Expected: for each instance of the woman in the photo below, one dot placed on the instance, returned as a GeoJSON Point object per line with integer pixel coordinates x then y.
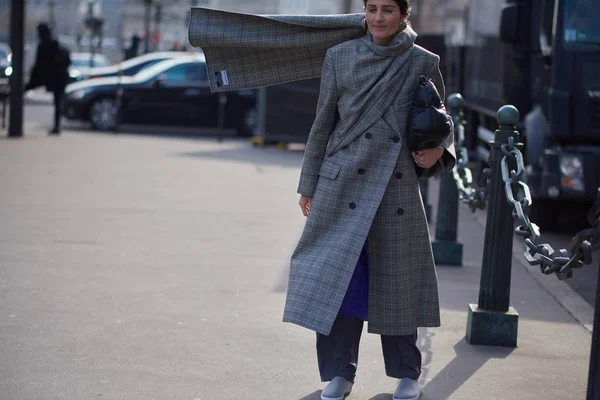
{"type": "Point", "coordinates": [365, 252]}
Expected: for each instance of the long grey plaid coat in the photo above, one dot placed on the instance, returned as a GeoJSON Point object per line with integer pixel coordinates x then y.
{"type": "Point", "coordinates": [356, 167]}
{"type": "Point", "coordinates": [364, 185]}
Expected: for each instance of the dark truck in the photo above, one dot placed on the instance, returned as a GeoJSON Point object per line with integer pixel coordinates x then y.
{"type": "Point", "coordinates": [543, 56]}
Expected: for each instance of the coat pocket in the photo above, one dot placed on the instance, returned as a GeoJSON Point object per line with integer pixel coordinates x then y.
{"type": "Point", "coordinates": [329, 169]}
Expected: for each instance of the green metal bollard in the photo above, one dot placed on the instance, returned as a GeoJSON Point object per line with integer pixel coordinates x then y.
{"type": "Point", "coordinates": [446, 250]}
{"type": "Point", "coordinates": [493, 322]}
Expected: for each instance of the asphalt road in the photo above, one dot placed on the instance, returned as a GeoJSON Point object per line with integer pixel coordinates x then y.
{"type": "Point", "coordinates": [39, 114]}
{"type": "Point", "coordinates": [149, 267]}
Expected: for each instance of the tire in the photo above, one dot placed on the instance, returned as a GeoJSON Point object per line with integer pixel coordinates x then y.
{"type": "Point", "coordinates": [104, 114]}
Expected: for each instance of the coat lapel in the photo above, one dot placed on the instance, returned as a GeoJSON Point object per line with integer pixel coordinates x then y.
{"type": "Point", "coordinates": [383, 93]}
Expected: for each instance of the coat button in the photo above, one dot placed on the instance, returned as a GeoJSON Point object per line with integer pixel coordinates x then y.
{"type": "Point", "coordinates": [396, 139]}
{"type": "Point", "coordinates": [368, 135]}
{"type": "Point", "coordinates": [400, 211]}
{"type": "Point", "coordinates": [399, 175]}
{"type": "Point", "coordinates": [361, 171]}
{"type": "Point", "coordinates": [352, 206]}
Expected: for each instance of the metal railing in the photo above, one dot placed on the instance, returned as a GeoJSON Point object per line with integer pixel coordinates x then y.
{"type": "Point", "coordinates": [561, 262]}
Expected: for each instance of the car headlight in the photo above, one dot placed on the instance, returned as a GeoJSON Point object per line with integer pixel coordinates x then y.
{"type": "Point", "coordinates": [74, 73]}
{"type": "Point", "coordinates": [571, 168]}
{"type": "Point", "coordinates": [78, 94]}
{"type": "Point", "coordinates": [8, 71]}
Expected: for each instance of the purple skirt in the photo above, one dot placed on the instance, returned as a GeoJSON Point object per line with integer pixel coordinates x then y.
{"type": "Point", "coordinates": [356, 300]}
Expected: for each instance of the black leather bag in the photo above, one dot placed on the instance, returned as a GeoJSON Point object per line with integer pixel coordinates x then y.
{"type": "Point", "coordinates": [429, 124]}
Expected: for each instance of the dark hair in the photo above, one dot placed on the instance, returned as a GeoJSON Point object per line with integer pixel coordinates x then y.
{"type": "Point", "coordinates": [403, 4]}
{"type": "Point", "coordinates": [44, 31]}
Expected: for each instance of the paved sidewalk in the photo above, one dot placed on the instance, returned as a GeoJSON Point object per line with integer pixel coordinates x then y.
{"type": "Point", "coordinates": [136, 267]}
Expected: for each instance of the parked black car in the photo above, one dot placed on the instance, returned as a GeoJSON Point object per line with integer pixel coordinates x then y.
{"type": "Point", "coordinates": [134, 65]}
{"type": "Point", "coordinates": [172, 92]}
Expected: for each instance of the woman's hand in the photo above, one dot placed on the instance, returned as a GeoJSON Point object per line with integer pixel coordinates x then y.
{"type": "Point", "coordinates": [305, 204]}
{"type": "Point", "coordinates": [428, 157]}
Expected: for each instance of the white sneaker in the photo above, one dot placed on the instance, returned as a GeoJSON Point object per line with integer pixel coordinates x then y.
{"type": "Point", "coordinates": [408, 389]}
{"type": "Point", "coordinates": [337, 389]}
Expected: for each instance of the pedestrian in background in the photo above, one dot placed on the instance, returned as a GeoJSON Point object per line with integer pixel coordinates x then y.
{"type": "Point", "coordinates": [365, 252]}
{"type": "Point", "coordinates": [51, 69]}
{"type": "Point", "coordinates": [132, 50]}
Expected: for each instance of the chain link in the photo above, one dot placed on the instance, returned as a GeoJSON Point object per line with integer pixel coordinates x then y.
{"type": "Point", "coordinates": [561, 262]}
{"type": "Point", "coordinates": [474, 197]}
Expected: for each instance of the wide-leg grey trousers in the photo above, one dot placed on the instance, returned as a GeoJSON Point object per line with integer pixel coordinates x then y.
{"type": "Point", "coordinates": [337, 353]}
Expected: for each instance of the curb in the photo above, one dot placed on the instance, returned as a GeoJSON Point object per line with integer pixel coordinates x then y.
{"type": "Point", "coordinates": [559, 290]}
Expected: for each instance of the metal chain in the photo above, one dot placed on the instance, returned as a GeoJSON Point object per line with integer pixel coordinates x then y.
{"type": "Point", "coordinates": [475, 197]}
{"type": "Point", "coordinates": [562, 262]}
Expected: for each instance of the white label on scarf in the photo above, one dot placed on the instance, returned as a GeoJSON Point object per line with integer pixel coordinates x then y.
{"type": "Point", "coordinates": [224, 78]}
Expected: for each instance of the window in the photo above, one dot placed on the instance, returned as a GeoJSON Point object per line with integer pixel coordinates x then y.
{"type": "Point", "coordinates": [581, 21]}
{"type": "Point", "coordinates": [137, 68]}
{"type": "Point", "coordinates": [195, 72]}
{"type": "Point", "coordinates": [83, 60]}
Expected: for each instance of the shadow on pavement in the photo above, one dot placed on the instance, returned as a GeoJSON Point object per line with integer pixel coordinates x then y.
{"type": "Point", "coordinates": [468, 360]}
{"type": "Point", "coordinates": [245, 153]}
{"type": "Point", "coordinates": [166, 131]}
{"type": "Point", "coordinates": [253, 155]}
{"type": "Point", "coordinates": [316, 395]}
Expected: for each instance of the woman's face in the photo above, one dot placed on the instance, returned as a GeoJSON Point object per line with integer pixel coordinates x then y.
{"type": "Point", "coordinates": [383, 19]}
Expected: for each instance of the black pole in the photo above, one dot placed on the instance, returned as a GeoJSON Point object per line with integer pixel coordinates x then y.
{"type": "Point", "coordinates": [446, 250]}
{"type": "Point", "coordinates": [147, 18]}
{"type": "Point", "coordinates": [492, 321]}
{"type": "Point", "coordinates": [17, 36]}
{"type": "Point", "coordinates": [100, 34]}
{"type": "Point", "coordinates": [594, 376]}
{"type": "Point", "coordinates": [51, 5]}
{"type": "Point", "coordinates": [347, 7]}
{"type": "Point", "coordinates": [221, 115]}
{"type": "Point", "coordinates": [157, 22]}
{"type": "Point", "coordinates": [91, 28]}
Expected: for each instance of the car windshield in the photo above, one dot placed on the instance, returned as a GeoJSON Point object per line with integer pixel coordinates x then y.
{"type": "Point", "coordinates": [581, 22]}
{"type": "Point", "coordinates": [153, 70]}
{"type": "Point", "coordinates": [129, 71]}
{"type": "Point", "coordinates": [85, 62]}
{"type": "Point", "coordinates": [157, 69]}
{"type": "Point", "coordinates": [150, 57]}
